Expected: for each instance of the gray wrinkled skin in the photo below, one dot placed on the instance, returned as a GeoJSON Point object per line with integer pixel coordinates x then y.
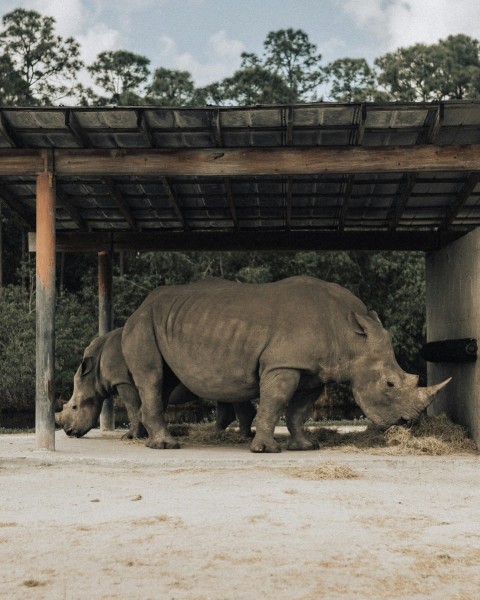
{"type": "Point", "coordinates": [103, 373]}
{"type": "Point", "coordinates": [279, 342]}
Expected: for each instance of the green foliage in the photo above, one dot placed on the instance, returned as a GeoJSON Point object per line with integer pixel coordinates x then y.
{"type": "Point", "coordinates": [449, 69]}
{"type": "Point", "coordinates": [45, 65]}
{"type": "Point", "coordinates": [352, 80]}
{"type": "Point", "coordinates": [122, 75]}
{"type": "Point", "coordinates": [171, 88]}
{"type": "Point", "coordinates": [75, 327]}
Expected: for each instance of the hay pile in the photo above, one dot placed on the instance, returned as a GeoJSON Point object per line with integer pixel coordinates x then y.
{"type": "Point", "coordinates": [433, 436]}
{"type": "Point", "coordinates": [326, 470]}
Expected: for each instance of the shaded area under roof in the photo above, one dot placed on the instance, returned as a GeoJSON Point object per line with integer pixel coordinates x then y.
{"type": "Point", "coordinates": [420, 207]}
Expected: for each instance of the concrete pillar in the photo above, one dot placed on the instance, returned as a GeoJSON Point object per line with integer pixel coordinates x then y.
{"type": "Point", "coordinates": [453, 311]}
{"type": "Point", "coordinates": [45, 309]}
{"type": "Point", "coordinates": [105, 321]}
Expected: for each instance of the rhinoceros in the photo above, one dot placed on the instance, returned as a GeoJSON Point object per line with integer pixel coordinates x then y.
{"type": "Point", "coordinates": [279, 342]}
{"type": "Point", "coordinates": [103, 373]}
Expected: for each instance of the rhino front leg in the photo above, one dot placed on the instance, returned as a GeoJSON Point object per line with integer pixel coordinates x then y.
{"type": "Point", "coordinates": [297, 413]}
{"type": "Point", "coordinates": [276, 390]}
{"type": "Point", "coordinates": [128, 395]}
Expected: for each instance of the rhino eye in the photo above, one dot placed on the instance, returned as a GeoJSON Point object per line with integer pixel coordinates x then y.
{"type": "Point", "coordinates": [390, 384]}
{"type": "Point", "coordinates": [74, 407]}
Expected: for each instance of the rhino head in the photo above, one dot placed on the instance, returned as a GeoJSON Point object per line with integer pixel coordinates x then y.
{"type": "Point", "coordinates": [82, 411]}
{"type": "Point", "coordinates": [384, 391]}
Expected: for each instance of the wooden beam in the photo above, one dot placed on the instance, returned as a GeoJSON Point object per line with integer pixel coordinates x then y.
{"type": "Point", "coordinates": [401, 200]}
{"type": "Point", "coordinates": [15, 161]}
{"type": "Point", "coordinates": [45, 312]}
{"type": "Point", "coordinates": [72, 124]}
{"type": "Point", "coordinates": [16, 206]}
{"type": "Point", "coordinates": [260, 161]}
{"type": "Point", "coordinates": [460, 200]}
{"type": "Point", "coordinates": [231, 202]}
{"type": "Point", "coordinates": [123, 206]}
{"type": "Point", "coordinates": [346, 194]}
{"type": "Point", "coordinates": [288, 208]}
{"type": "Point", "coordinates": [72, 212]}
{"type": "Point", "coordinates": [274, 240]}
{"type": "Point", "coordinates": [145, 129]}
{"type": "Point", "coordinates": [174, 203]}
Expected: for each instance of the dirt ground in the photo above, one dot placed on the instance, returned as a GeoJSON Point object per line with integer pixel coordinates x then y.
{"type": "Point", "coordinates": [100, 518]}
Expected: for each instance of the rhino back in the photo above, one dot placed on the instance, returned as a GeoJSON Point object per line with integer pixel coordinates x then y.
{"type": "Point", "coordinates": [218, 339]}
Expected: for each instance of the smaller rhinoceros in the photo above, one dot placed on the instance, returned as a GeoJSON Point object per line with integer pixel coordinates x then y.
{"type": "Point", "coordinates": [103, 373]}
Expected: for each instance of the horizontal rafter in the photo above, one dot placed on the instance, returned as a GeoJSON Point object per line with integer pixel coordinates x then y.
{"type": "Point", "coordinates": [210, 162]}
{"type": "Point", "coordinates": [253, 240]}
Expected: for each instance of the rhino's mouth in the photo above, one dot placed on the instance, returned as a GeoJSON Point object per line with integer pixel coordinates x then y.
{"type": "Point", "coordinates": [74, 433]}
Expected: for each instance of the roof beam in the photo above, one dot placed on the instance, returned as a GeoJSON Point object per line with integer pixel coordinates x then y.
{"type": "Point", "coordinates": [460, 200]}
{"type": "Point", "coordinates": [346, 195]}
{"type": "Point", "coordinates": [173, 201]}
{"type": "Point", "coordinates": [71, 210]}
{"type": "Point", "coordinates": [254, 240]}
{"type": "Point", "coordinates": [245, 161]}
{"type": "Point", "coordinates": [401, 200]}
{"type": "Point", "coordinates": [260, 161]}
{"type": "Point", "coordinates": [17, 207]}
{"type": "Point", "coordinates": [231, 202]}
{"type": "Point", "coordinates": [122, 205]}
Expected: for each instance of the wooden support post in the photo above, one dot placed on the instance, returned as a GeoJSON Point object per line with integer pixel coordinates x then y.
{"type": "Point", "coordinates": [105, 320]}
{"type": "Point", "coordinates": [45, 307]}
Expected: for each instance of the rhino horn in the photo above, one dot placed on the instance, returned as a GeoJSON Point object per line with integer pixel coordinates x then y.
{"type": "Point", "coordinates": [59, 417]}
{"type": "Point", "coordinates": [428, 394]}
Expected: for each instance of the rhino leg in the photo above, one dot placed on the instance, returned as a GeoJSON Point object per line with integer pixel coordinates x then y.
{"type": "Point", "coordinates": [128, 395]}
{"type": "Point", "coordinates": [147, 369]}
{"type": "Point", "coordinates": [276, 390]}
{"type": "Point", "coordinates": [225, 415]}
{"type": "Point", "coordinates": [297, 413]}
{"type": "Point", "coordinates": [245, 412]}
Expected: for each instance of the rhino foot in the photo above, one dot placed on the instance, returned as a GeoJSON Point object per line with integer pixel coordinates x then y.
{"type": "Point", "coordinates": [162, 443]}
{"type": "Point", "coordinates": [259, 445]}
{"type": "Point", "coordinates": [302, 445]}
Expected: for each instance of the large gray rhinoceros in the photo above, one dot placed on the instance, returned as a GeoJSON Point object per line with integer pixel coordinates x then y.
{"type": "Point", "coordinates": [103, 373]}
{"type": "Point", "coordinates": [279, 342]}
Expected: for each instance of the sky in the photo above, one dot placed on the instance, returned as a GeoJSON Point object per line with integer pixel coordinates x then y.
{"type": "Point", "coordinates": [207, 37]}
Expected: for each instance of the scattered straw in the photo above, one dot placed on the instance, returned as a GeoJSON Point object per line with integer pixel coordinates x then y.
{"type": "Point", "coordinates": [431, 435]}
{"type": "Point", "coordinates": [325, 470]}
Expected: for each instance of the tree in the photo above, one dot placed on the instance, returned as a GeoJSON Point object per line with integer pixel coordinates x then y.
{"type": "Point", "coordinates": [290, 54]}
{"type": "Point", "coordinates": [352, 80]}
{"type": "Point", "coordinates": [13, 89]}
{"type": "Point", "coordinates": [407, 73]}
{"type": "Point", "coordinates": [457, 74]}
{"type": "Point", "coordinates": [250, 85]}
{"type": "Point", "coordinates": [122, 75]}
{"type": "Point", "coordinates": [171, 88]}
{"type": "Point", "coordinates": [449, 69]}
{"type": "Point", "coordinates": [45, 66]}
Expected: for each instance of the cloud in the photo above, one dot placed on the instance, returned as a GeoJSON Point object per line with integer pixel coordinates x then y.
{"type": "Point", "coordinates": [398, 23]}
{"type": "Point", "coordinates": [222, 59]}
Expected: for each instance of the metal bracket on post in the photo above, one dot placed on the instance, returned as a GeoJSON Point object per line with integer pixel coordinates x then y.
{"type": "Point", "coordinates": [105, 322]}
{"type": "Point", "coordinates": [45, 306]}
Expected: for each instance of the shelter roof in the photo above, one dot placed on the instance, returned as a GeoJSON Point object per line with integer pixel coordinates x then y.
{"type": "Point", "coordinates": [323, 175]}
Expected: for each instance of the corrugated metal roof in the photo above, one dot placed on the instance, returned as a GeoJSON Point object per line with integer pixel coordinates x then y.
{"type": "Point", "coordinates": [345, 202]}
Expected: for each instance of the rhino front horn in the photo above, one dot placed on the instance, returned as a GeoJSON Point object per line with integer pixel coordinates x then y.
{"type": "Point", "coordinates": [428, 394]}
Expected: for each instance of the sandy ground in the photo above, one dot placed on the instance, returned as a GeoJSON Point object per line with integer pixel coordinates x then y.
{"type": "Point", "coordinates": [101, 518]}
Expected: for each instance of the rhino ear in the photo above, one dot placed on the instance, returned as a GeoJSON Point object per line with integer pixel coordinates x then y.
{"type": "Point", "coordinates": [366, 325]}
{"type": "Point", "coordinates": [87, 365]}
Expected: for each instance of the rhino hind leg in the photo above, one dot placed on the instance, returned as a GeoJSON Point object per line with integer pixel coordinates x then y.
{"type": "Point", "coordinates": [225, 415]}
{"type": "Point", "coordinates": [297, 413]}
